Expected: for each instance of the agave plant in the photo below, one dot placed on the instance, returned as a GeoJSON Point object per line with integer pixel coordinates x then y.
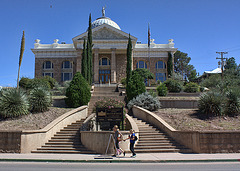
{"type": "Point", "coordinates": [211, 103]}
{"type": "Point", "coordinates": [13, 103]}
{"type": "Point", "coordinates": [40, 99]}
{"type": "Point", "coordinates": [232, 105]}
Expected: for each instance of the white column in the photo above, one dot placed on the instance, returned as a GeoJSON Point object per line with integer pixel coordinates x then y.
{"type": "Point", "coordinates": [96, 66]}
{"type": "Point", "coordinates": [113, 66]}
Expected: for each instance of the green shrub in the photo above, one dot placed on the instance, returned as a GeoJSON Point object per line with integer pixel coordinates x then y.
{"type": "Point", "coordinates": [173, 85]}
{"type": "Point", "coordinates": [211, 81]}
{"type": "Point", "coordinates": [124, 81]}
{"type": "Point", "coordinates": [25, 82]}
{"type": "Point", "coordinates": [13, 103]}
{"type": "Point", "coordinates": [162, 90]}
{"type": "Point", "coordinates": [191, 87]}
{"type": "Point", "coordinates": [145, 73]}
{"type": "Point", "coordinates": [135, 86]}
{"type": "Point", "coordinates": [146, 101]}
{"type": "Point", "coordinates": [211, 103]}
{"type": "Point", "coordinates": [78, 93]}
{"type": "Point", "coordinates": [201, 89]}
{"type": "Point", "coordinates": [40, 99]}
{"type": "Point", "coordinates": [152, 93]}
{"type": "Point", "coordinates": [50, 80]}
{"type": "Point", "coordinates": [29, 84]}
{"type": "Point", "coordinates": [63, 89]}
{"type": "Point", "coordinates": [232, 104]}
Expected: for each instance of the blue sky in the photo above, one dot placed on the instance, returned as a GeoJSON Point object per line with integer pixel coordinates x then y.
{"type": "Point", "coordinates": [198, 27]}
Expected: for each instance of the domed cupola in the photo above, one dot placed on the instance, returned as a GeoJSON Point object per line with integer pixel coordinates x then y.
{"type": "Point", "coordinates": [104, 20]}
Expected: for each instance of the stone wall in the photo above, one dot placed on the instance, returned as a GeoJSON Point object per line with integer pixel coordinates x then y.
{"type": "Point", "coordinates": [153, 62]}
{"type": "Point", "coordinates": [121, 60]}
{"type": "Point", "coordinates": [57, 66]}
{"type": "Point", "coordinates": [10, 141]}
{"type": "Point", "coordinates": [198, 141]}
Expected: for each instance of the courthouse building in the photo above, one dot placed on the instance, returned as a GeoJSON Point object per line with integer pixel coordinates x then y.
{"type": "Point", "coordinates": [61, 61]}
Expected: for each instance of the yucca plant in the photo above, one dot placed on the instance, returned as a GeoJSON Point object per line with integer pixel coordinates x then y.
{"type": "Point", "coordinates": [232, 104]}
{"type": "Point", "coordinates": [211, 103]}
{"type": "Point", "coordinates": [40, 99]}
{"type": "Point", "coordinates": [13, 103]}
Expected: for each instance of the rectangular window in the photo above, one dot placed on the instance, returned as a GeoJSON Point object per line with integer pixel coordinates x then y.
{"type": "Point", "coordinates": [66, 76]}
{"type": "Point", "coordinates": [50, 74]}
{"type": "Point", "coordinates": [161, 77]}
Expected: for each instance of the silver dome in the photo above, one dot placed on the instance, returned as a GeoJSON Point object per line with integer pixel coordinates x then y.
{"type": "Point", "coordinates": [104, 20]}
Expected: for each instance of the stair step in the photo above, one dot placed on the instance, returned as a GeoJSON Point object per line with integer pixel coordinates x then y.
{"type": "Point", "coordinates": [155, 147]}
{"type": "Point", "coordinates": [69, 132]}
{"type": "Point", "coordinates": [65, 137]}
{"type": "Point", "coordinates": [71, 129]}
{"type": "Point", "coordinates": [63, 140]}
{"type": "Point", "coordinates": [66, 134]}
{"type": "Point", "coordinates": [154, 144]}
{"type": "Point", "coordinates": [153, 139]}
{"type": "Point", "coordinates": [62, 148]}
{"type": "Point", "coordinates": [152, 136]}
{"type": "Point", "coordinates": [63, 143]}
{"type": "Point", "coordinates": [156, 150]}
{"type": "Point", "coordinates": [64, 151]}
{"type": "Point", "coordinates": [68, 145]}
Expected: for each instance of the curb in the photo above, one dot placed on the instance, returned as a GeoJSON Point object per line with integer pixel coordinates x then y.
{"type": "Point", "coordinates": [119, 161]}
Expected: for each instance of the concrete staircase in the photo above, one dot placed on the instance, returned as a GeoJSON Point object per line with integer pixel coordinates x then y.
{"type": "Point", "coordinates": [67, 140]}
{"type": "Point", "coordinates": [101, 93]}
{"type": "Point", "coordinates": [151, 140]}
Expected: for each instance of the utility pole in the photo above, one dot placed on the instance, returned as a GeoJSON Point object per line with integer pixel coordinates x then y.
{"type": "Point", "coordinates": [222, 60]}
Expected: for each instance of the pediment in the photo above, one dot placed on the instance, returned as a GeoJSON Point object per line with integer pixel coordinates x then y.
{"type": "Point", "coordinates": [105, 32]}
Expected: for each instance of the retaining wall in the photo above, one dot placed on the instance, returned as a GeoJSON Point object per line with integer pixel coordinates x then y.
{"type": "Point", "coordinates": [27, 140]}
{"type": "Point", "coordinates": [10, 141]}
{"type": "Point", "coordinates": [180, 104]}
{"type": "Point", "coordinates": [98, 140]}
{"type": "Point", "coordinates": [198, 141]}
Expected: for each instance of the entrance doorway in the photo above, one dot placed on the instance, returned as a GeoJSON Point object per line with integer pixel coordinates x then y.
{"type": "Point", "coordinates": [104, 76]}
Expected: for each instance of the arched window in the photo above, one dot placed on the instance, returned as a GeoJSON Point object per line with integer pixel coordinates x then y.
{"type": "Point", "coordinates": [141, 64]}
{"type": "Point", "coordinates": [66, 65]}
{"type": "Point", "coordinates": [104, 62]}
{"type": "Point", "coordinates": [160, 65]}
{"type": "Point", "coordinates": [47, 65]}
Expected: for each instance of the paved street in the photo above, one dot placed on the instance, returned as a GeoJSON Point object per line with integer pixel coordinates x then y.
{"type": "Point", "coordinates": [15, 166]}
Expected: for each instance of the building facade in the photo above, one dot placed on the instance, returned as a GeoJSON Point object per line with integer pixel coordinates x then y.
{"type": "Point", "coordinates": [61, 61]}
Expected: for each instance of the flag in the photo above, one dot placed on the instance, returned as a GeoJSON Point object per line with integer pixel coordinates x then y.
{"type": "Point", "coordinates": [149, 35]}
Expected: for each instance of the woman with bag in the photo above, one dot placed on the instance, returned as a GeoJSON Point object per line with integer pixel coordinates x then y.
{"type": "Point", "coordinates": [117, 137]}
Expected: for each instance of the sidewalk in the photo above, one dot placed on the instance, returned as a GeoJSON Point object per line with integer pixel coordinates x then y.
{"type": "Point", "coordinates": [144, 158]}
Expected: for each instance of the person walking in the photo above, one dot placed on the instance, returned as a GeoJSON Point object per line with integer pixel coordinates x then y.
{"type": "Point", "coordinates": [117, 137]}
{"type": "Point", "coordinates": [132, 138]}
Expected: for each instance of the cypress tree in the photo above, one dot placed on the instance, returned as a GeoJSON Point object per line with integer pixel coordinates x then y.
{"type": "Point", "coordinates": [84, 61]}
{"type": "Point", "coordinates": [129, 60]}
{"type": "Point", "coordinates": [169, 65]}
{"type": "Point", "coordinates": [89, 51]}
